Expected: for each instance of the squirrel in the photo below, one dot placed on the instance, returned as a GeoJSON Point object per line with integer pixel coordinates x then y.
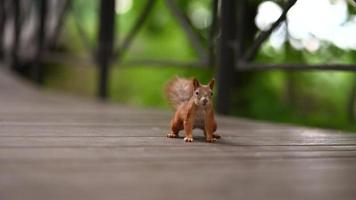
{"type": "Point", "coordinates": [193, 107]}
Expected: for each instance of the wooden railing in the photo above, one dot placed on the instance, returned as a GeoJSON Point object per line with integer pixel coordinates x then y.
{"type": "Point", "coordinates": [227, 26]}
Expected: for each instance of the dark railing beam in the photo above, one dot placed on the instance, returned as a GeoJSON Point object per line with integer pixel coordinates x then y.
{"type": "Point", "coordinates": [105, 46]}
{"type": "Point", "coordinates": [84, 37]}
{"type": "Point", "coordinates": [252, 51]}
{"type": "Point", "coordinates": [183, 20]}
{"type": "Point", "coordinates": [242, 66]}
{"type": "Point", "coordinates": [61, 20]}
{"type": "Point", "coordinates": [17, 31]}
{"type": "Point", "coordinates": [84, 60]}
{"type": "Point", "coordinates": [240, 32]}
{"type": "Point", "coordinates": [164, 63]}
{"type": "Point", "coordinates": [118, 54]}
{"type": "Point", "coordinates": [2, 27]}
{"type": "Point", "coordinates": [226, 60]}
{"type": "Point", "coordinates": [213, 31]}
{"type": "Point", "coordinates": [41, 38]}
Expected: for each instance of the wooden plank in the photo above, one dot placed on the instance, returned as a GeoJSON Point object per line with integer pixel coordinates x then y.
{"type": "Point", "coordinates": [173, 153]}
{"type": "Point", "coordinates": [246, 179]}
{"type": "Point", "coordinates": [58, 147]}
{"type": "Point", "coordinates": [112, 141]}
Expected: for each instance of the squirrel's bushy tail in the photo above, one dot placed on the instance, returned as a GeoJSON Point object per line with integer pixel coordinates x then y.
{"type": "Point", "coordinates": [178, 91]}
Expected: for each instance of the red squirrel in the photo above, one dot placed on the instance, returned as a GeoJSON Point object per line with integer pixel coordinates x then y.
{"type": "Point", "coordinates": [193, 106]}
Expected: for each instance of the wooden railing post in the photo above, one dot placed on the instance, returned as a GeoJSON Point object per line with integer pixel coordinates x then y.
{"type": "Point", "coordinates": [226, 56]}
{"type": "Point", "coordinates": [17, 31]}
{"type": "Point", "coordinates": [41, 38]}
{"type": "Point", "coordinates": [213, 33]}
{"type": "Point", "coordinates": [2, 27]}
{"type": "Point", "coordinates": [106, 41]}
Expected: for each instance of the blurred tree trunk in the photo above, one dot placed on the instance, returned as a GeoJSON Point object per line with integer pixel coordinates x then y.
{"type": "Point", "coordinates": [247, 35]}
{"type": "Point", "coordinates": [291, 94]}
{"type": "Point", "coordinates": [291, 56]}
{"type": "Point", "coordinates": [290, 83]}
{"type": "Point", "coordinates": [352, 102]}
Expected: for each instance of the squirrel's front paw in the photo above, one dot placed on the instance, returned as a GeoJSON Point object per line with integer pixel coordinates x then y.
{"type": "Point", "coordinates": [188, 139]}
{"type": "Point", "coordinates": [210, 140]}
{"type": "Point", "coordinates": [172, 135]}
{"type": "Point", "coordinates": [217, 136]}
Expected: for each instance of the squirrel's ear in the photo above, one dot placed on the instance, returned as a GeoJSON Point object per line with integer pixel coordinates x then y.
{"type": "Point", "coordinates": [212, 83]}
{"type": "Point", "coordinates": [196, 83]}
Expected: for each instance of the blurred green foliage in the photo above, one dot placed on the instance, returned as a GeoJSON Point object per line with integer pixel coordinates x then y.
{"type": "Point", "coordinates": [318, 98]}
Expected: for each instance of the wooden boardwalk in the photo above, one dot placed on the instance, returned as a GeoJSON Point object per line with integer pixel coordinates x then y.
{"type": "Point", "coordinates": [57, 147]}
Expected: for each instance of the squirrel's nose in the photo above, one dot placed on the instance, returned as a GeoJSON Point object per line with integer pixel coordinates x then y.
{"type": "Point", "coordinates": [205, 101]}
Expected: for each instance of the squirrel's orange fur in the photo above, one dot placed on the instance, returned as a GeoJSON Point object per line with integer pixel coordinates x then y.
{"type": "Point", "coordinates": [192, 102]}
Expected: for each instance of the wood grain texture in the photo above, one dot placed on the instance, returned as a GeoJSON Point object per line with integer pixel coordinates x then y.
{"type": "Point", "coordinates": [57, 147]}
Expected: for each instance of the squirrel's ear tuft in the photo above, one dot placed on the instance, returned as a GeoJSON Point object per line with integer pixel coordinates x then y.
{"type": "Point", "coordinates": [196, 83]}
{"type": "Point", "coordinates": [212, 83]}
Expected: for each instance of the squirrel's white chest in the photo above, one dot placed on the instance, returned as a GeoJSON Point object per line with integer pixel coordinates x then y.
{"type": "Point", "coordinates": [199, 119]}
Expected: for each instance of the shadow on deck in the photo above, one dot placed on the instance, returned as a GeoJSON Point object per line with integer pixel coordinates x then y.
{"type": "Point", "coordinates": [55, 147]}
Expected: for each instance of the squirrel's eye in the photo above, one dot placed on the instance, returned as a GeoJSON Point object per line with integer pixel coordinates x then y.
{"type": "Point", "coordinates": [196, 93]}
{"type": "Point", "coordinates": [211, 93]}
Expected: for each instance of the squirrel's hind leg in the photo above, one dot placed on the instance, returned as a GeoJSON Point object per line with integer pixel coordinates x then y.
{"type": "Point", "coordinates": [215, 127]}
{"type": "Point", "coordinates": [210, 129]}
{"type": "Point", "coordinates": [176, 126]}
{"type": "Point", "coordinates": [215, 135]}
